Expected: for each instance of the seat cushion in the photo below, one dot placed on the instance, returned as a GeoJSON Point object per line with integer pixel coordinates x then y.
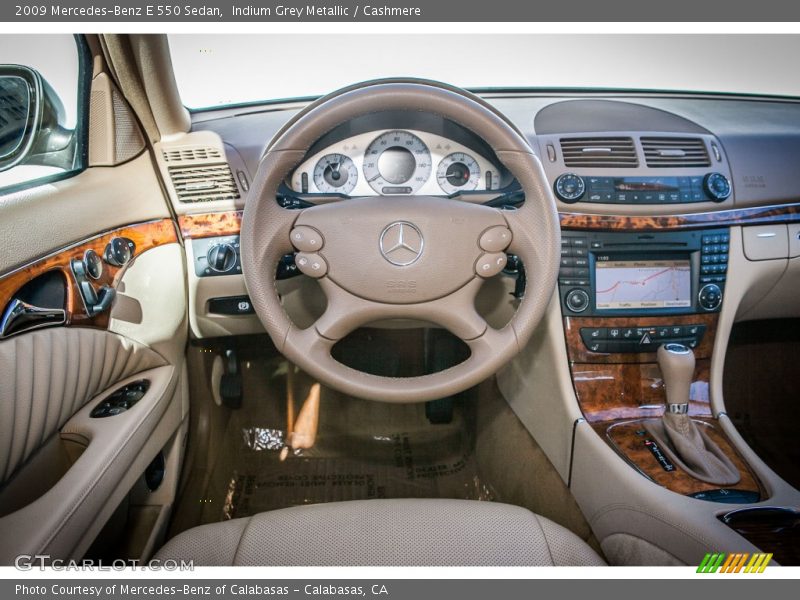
{"type": "Point", "coordinates": [385, 533]}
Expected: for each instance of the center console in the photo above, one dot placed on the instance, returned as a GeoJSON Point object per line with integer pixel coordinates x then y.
{"type": "Point", "coordinates": [623, 296]}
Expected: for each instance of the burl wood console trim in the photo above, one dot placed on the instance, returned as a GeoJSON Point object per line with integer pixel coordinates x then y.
{"type": "Point", "coordinates": [145, 235]}
{"type": "Point", "coordinates": [210, 224]}
{"type": "Point", "coordinates": [229, 222]}
{"type": "Point", "coordinates": [607, 392]}
{"type": "Point", "coordinates": [629, 386]}
{"type": "Point", "coordinates": [757, 215]}
{"type": "Point", "coordinates": [624, 438]}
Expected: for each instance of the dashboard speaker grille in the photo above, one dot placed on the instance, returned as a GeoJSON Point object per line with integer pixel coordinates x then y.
{"type": "Point", "coordinates": [664, 152]}
{"type": "Point", "coordinates": [616, 152]}
{"type": "Point", "coordinates": [204, 183]}
{"type": "Point", "coordinates": [191, 154]}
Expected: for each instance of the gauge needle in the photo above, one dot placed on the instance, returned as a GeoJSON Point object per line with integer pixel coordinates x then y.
{"type": "Point", "coordinates": [373, 178]}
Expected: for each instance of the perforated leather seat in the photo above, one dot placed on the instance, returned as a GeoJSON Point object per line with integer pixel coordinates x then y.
{"type": "Point", "coordinates": [385, 533]}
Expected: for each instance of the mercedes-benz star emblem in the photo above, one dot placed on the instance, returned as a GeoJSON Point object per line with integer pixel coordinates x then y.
{"type": "Point", "coordinates": [401, 243]}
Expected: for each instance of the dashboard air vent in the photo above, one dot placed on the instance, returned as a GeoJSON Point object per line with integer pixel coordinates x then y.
{"type": "Point", "coordinates": [204, 183]}
{"type": "Point", "coordinates": [191, 153]}
{"type": "Point", "coordinates": [616, 152]}
{"type": "Point", "coordinates": [663, 152]}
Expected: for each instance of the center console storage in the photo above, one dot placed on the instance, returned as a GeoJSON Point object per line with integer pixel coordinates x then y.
{"type": "Point", "coordinates": [773, 529]}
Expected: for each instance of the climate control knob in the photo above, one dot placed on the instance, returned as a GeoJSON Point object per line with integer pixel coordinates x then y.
{"type": "Point", "coordinates": [710, 296]}
{"type": "Point", "coordinates": [717, 186]}
{"type": "Point", "coordinates": [577, 301]}
{"type": "Point", "coordinates": [221, 258]}
{"type": "Point", "coordinates": [570, 187]}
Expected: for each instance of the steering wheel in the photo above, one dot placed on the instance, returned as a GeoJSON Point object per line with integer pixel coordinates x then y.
{"type": "Point", "coordinates": [400, 256]}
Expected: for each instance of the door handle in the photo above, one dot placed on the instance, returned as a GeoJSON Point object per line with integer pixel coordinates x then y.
{"type": "Point", "coordinates": [20, 316]}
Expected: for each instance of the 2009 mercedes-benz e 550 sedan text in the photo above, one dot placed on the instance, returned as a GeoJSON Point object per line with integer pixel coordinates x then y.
{"type": "Point", "coordinates": [398, 324]}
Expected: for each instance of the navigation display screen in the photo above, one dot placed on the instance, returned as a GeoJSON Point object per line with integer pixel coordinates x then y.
{"type": "Point", "coordinates": [632, 284]}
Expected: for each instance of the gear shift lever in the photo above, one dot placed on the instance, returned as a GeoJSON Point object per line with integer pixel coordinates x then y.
{"type": "Point", "coordinates": [677, 368]}
{"type": "Point", "coordinates": [677, 434]}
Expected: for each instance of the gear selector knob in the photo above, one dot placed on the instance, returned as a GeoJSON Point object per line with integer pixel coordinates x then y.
{"type": "Point", "coordinates": [676, 362]}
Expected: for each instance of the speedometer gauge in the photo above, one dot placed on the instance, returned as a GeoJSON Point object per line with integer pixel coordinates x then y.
{"type": "Point", "coordinates": [397, 162]}
{"type": "Point", "coordinates": [335, 174]}
{"type": "Point", "coordinates": [458, 172]}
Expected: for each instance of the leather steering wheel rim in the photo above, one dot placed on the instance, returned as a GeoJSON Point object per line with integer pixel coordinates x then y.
{"type": "Point", "coordinates": [443, 291]}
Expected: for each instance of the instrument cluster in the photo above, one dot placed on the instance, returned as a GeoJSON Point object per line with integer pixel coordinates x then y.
{"type": "Point", "coordinates": [395, 162]}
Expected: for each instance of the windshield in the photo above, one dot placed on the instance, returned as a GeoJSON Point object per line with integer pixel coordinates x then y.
{"type": "Point", "coordinates": [217, 70]}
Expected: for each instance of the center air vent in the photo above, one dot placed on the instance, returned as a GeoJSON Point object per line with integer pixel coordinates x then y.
{"type": "Point", "coordinates": [599, 152]}
{"type": "Point", "coordinates": [204, 183]}
{"type": "Point", "coordinates": [662, 152]}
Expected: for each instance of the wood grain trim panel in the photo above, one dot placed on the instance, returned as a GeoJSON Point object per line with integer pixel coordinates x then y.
{"type": "Point", "coordinates": [145, 235]}
{"type": "Point", "coordinates": [210, 224]}
{"type": "Point", "coordinates": [608, 392]}
{"type": "Point", "coordinates": [229, 222]}
{"type": "Point", "coordinates": [624, 438]}
{"type": "Point", "coordinates": [580, 354]}
{"type": "Point", "coordinates": [758, 215]}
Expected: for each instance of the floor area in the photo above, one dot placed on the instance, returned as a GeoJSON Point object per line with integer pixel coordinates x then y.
{"type": "Point", "coordinates": [363, 449]}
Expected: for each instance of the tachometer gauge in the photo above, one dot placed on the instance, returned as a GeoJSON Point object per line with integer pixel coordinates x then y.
{"type": "Point", "coordinates": [458, 172]}
{"type": "Point", "coordinates": [335, 174]}
{"type": "Point", "coordinates": [397, 162]}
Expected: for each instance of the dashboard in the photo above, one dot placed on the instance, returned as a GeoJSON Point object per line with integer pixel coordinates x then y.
{"type": "Point", "coordinates": [395, 162]}
{"type": "Point", "coordinates": [658, 198]}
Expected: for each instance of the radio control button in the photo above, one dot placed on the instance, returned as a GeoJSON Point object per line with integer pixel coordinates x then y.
{"type": "Point", "coordinates": [490, 265]}
{"type": "Point", "coordinates": [306, 239]}
{"type": "Point", "coordinates": [577, 301]}
{"type": "Point", "coordinates": [570, 187]}
{"type": "Point", "coordinates": [717, 186]}
{"type": "Point", "coordinates": [311, 264]}
{"type": "Point", "coordinates": [710, 296]}
{"type": "Point", "coordinates": [496, 239]}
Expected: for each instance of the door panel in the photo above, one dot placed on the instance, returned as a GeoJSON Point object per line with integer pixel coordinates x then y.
{"type": "Point", "coordinates": [62, 472]}
{"type": "Point", "coordinates": [36, 221]}
{"type": "Point", "coordinates": [63, 521]}
{"type": "Point", "coordinates": [47, 375]}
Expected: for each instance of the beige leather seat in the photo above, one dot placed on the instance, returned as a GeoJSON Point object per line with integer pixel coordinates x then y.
{"type": "Point", "coordinates": [385, 533]}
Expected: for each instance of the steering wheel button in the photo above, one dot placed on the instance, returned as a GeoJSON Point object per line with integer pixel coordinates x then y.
{"type": "Point", "coordinates": [312, 265]}
{"type": "Point", "coordinates": [490, 265]}
{"type": "Point", "coordinates": [495, 239]}
{"type": "Point", "coordinates": [306, 239]}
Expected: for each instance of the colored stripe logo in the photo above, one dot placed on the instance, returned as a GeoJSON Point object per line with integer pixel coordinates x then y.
{"type": "Point", "coordinates": [740, 562]}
